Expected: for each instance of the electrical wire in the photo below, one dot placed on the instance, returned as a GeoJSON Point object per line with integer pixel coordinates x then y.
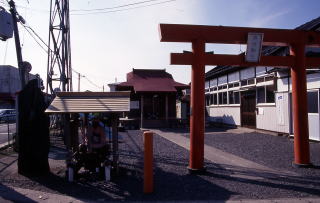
{"type": "Point", "coordinates": [109, 8]}
{"type": "Point", "coordinates": [35, 39]}
{"type": "Point", "coordinates": [113, 11]}
{"type": "Point", "coordinates": [38, 36]}
{"type": "Point", "coordinates": [105, 10]}
{"type": "Point", "coordinates": [92, 83]}
{"type": "Point", "coordinates": [75, 71]}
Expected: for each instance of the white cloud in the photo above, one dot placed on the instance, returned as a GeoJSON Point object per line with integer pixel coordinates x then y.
{"type": "Point", "coordinates": [267, 20]}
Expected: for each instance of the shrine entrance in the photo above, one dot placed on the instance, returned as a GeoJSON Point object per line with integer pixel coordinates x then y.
{"type": "Point", "coordinates": [199, 35]}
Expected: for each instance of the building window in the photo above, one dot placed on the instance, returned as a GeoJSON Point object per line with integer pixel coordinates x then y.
{"type": "Point", "coordinates": [269, 78]}
{"type": "Point", "coordinates": [225, 97]}
{"type": "Point", "coordinates": [265, 79]}
{"type": "Point", "coordinates": [237, 97]}
{"type": "Point", "coordinates": [246, 82]}
{"type": "Point", "coordinates": [231, 97]}
{"type": "Point", "coordinates": [207, 99]}
{"type": "Point", "coordinates": [313, 102]}
{"type": "Point", "coordinates": [222, 87]}
{"type": "Point", "coordinates": [215, 99]}
{"type": "Point", "coordinates": [265, 94]}
{"type": "Point", "coordinates": [261, 96]}
{"type": "Point", "coordinates": [260, 80]}
{"type": "Point", "coordinates": [251, 81]}
{"type": "Point", "coordinates": [234, 97]}
{"type": "Point", "coordinates": [270, 94]}
{"type": "Point", "coordinates": [231, 85]}
{"type": "Point", "coordinates": [207, 84]}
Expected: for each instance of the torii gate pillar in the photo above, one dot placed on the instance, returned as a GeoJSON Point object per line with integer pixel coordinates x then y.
{"type": "Point", "coordinates": [299, 107]}
{"type": "Point", "coordinates": [197, 106]}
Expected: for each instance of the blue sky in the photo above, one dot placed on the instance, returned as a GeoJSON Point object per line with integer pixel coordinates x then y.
{"type": "Point", "coordinates": [108, 45]}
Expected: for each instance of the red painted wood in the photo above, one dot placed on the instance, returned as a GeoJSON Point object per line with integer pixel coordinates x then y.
{"type": "Point", "coordinates": [299, 106]}
{"type": "Point", "coordinates": [148, 162]}
{"type": "Point", "coordinates": [234, 35]}
{"type": "Point", "coordinates": [239, 60]}
{"type": "Point", "coordinates": [197, 106]}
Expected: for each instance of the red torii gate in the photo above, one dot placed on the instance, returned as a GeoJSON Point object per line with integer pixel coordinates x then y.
{"type": "Point", "coordinates": [198, 35]}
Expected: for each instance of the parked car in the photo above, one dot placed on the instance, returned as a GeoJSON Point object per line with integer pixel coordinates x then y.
{"type": "Point", "coordinates": [7, 115]}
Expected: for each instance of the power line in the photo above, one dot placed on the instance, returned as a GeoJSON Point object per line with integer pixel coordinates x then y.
{"type": "Point", "coordinates": [92, 83]}
{"type": "Point", "coordinates": [37, 36]}
{"type": "Point", "coordinates": [113, 11]}
{"type": "Point", "coordinates": [25, 27]}
{"type": "Point", "coordinates": [109, 8]}
{"type": "Point", "coordinates": [72, 12]}
{"type": "Point", "coordinates": [75, 71]}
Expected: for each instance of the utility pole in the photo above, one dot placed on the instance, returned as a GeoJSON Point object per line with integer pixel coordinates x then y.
{"type": "Point", "coordinates": [21, 67]}
{"type": "Point", "coordinates": [22, 71]}
{"type": "Point", "coordinates": [79, 76]}
{"type": "Point", "coordinates": [79, 82]}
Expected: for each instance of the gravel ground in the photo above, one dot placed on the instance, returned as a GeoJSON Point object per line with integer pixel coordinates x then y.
{"type": "Point", "coordinates": [172, 181]}
{"type": "Point", "coordinates": [271, 151]}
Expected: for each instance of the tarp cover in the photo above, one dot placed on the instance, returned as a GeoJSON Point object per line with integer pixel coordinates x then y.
{"type": "Point", "coordinates": [90, 102]}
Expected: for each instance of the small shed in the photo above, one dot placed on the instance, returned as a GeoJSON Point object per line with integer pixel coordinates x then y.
{"type": "Point", "coordinates": [69, 104]}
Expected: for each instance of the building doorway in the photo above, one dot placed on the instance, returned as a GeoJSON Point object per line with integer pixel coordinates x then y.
{"type": "Point", "coordinates": [248, 109]}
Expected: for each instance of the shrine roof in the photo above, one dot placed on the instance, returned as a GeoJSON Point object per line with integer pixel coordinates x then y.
{"type": "Point", "coordinates": [152, 80]}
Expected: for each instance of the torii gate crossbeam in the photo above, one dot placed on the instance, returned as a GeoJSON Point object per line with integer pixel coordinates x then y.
{"type": "Point", "coordinates": [199, 35]}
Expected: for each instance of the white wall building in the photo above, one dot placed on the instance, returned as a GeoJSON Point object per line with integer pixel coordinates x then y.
{"type": "Point", "coordinates": [260, 97]}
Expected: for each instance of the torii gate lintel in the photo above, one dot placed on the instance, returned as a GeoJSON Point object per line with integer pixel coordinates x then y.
{"type": "Point", "coordinates": [199, 35]}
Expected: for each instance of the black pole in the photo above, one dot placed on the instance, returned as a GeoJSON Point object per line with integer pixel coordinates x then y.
{"type": "Point", "coordinates": [22, 74]}
{"type": "Point", "coordinates": [8, 128]}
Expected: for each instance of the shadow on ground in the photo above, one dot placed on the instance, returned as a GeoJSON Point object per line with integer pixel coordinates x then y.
{"type": "Point", "coordinates": [8, 194]}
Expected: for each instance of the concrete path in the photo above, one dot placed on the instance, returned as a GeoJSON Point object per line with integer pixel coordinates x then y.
{"type": "Point", "coordinates": [217, 156]}
{"type": "Point", "coordinates": [14, 194]}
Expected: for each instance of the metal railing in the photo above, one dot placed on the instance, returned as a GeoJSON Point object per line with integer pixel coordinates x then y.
{"type": "Point", "coordinates": [7, 131]}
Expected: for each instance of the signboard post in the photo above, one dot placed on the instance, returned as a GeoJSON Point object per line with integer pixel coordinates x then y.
{"type": "Point", "coordinates": [254, 45]}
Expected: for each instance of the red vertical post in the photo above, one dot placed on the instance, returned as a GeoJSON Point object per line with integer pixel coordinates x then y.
{"type": "Point", "coordinates": [148, 162]}
{"type": "Point", "coordinates": [299, 106]}
{"type": "Point", "coordinates": [197, 107]}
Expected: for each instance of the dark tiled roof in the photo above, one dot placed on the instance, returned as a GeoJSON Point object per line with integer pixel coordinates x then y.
{"type": "Point", "coordinates": [152, 80]}
{"type": "Point", "coordinates": [266, 50]}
